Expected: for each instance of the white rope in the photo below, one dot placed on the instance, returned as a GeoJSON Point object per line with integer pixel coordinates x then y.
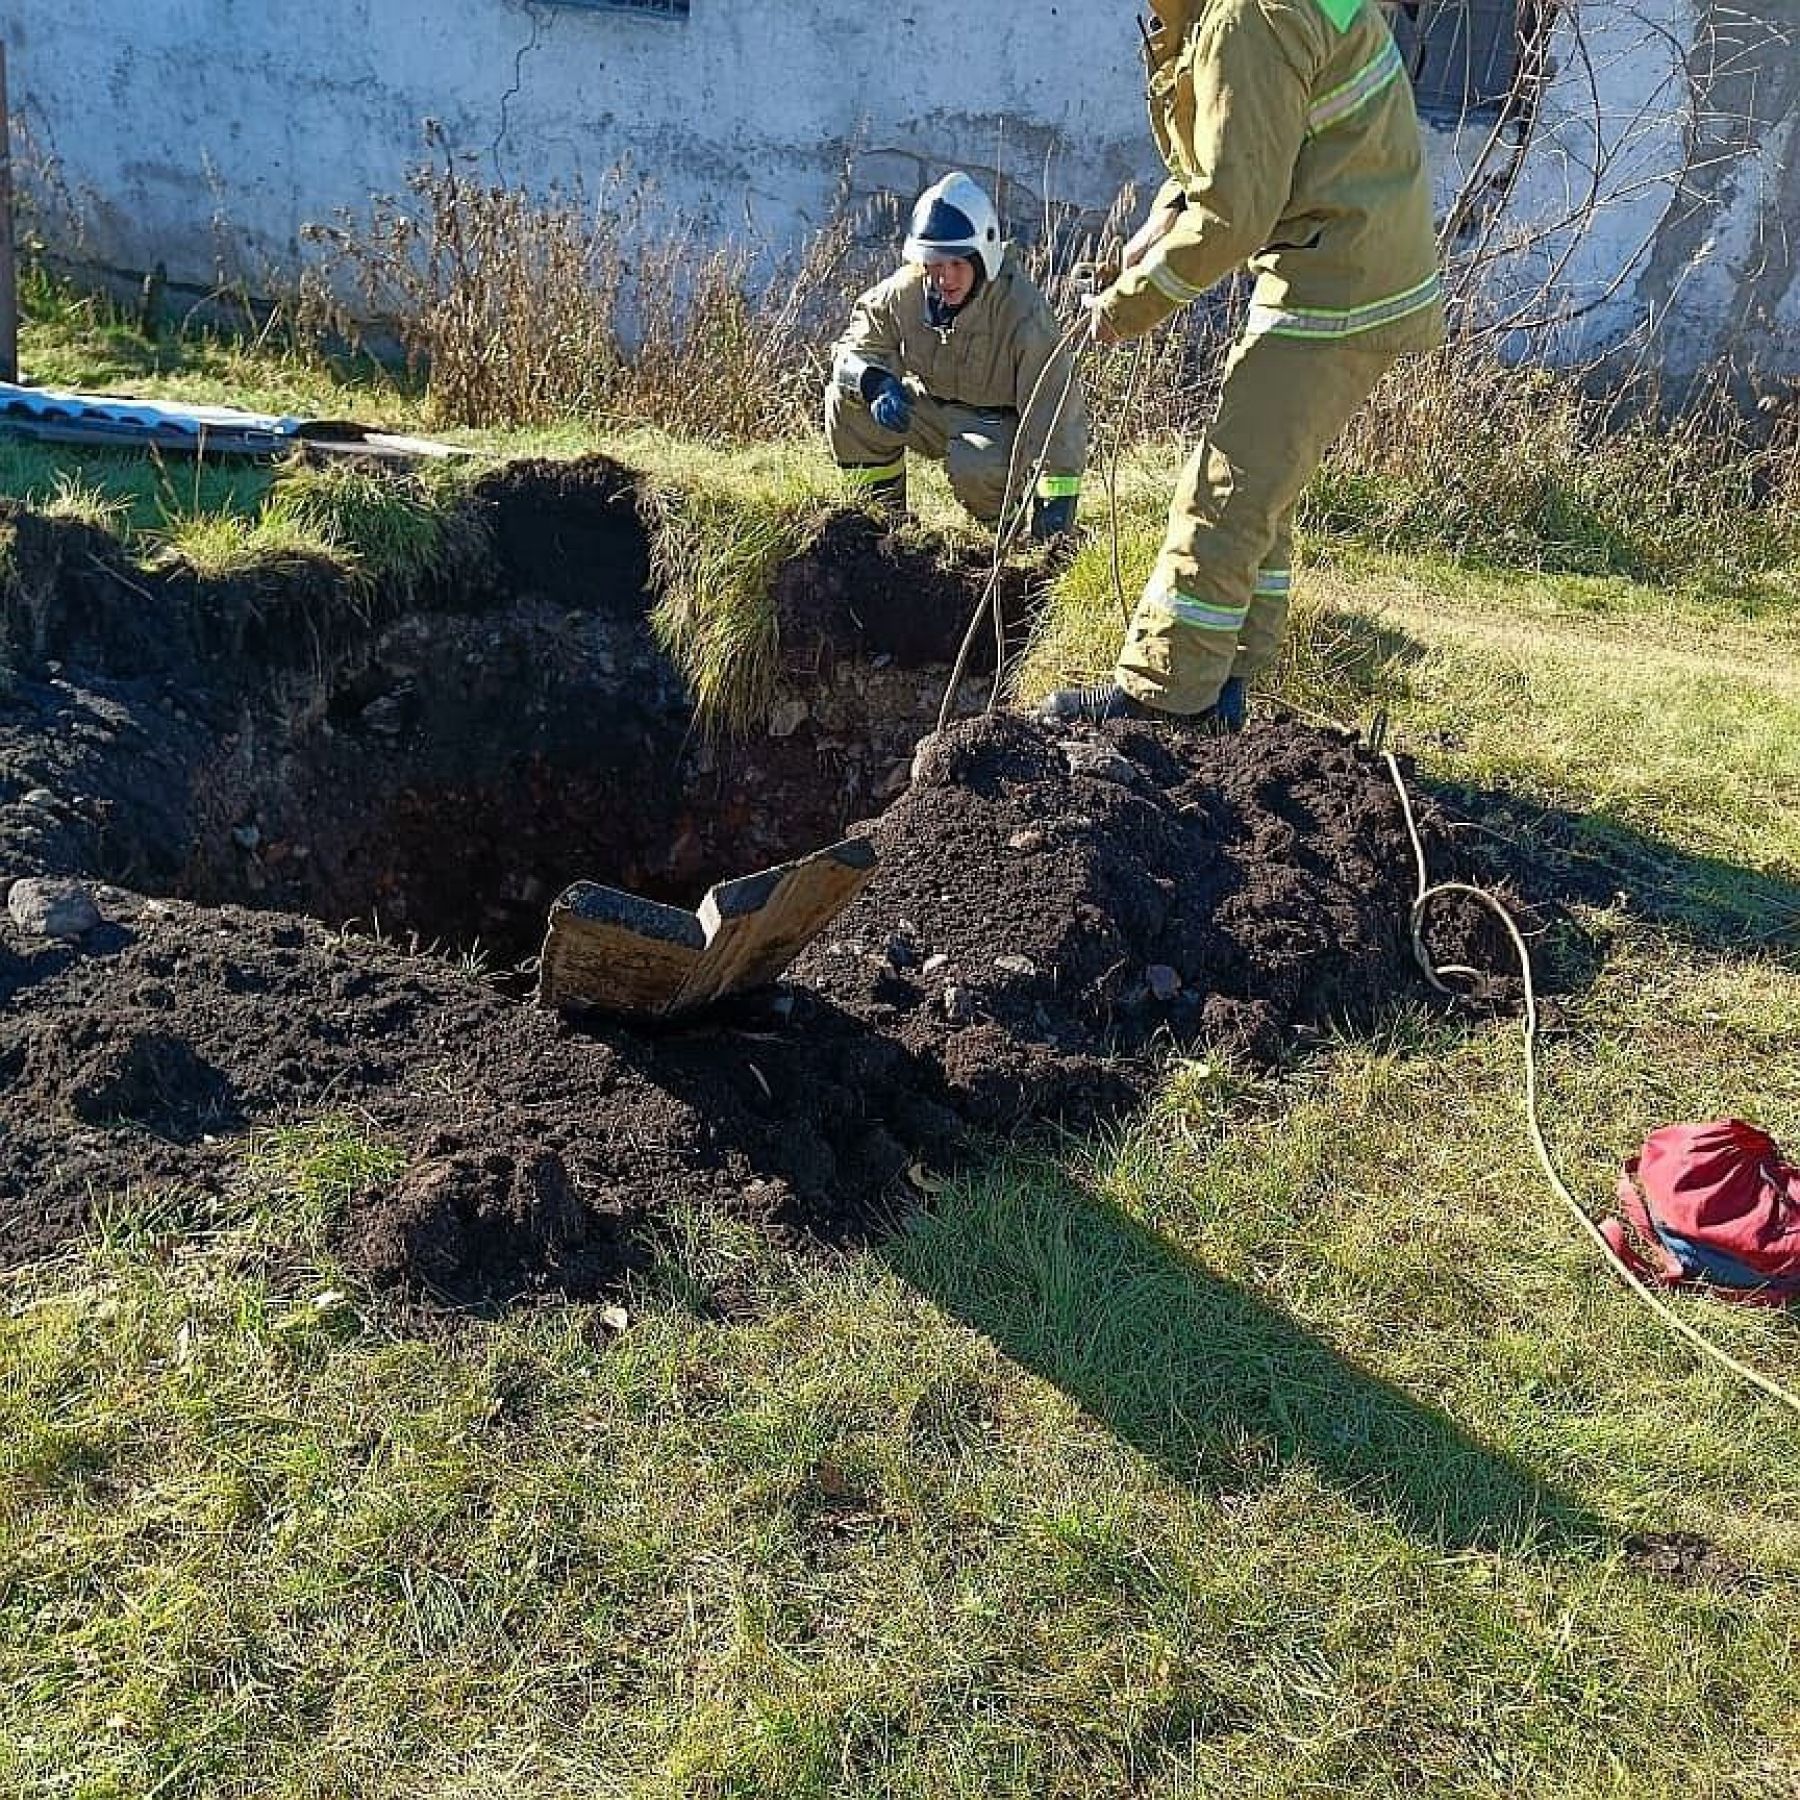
{"type": "Point", "coordinates": [1012, 512]}
{"type": "Point", "coordinates": [1429, 892]}
{"type": "Point", "coordinates": [1110, 475]}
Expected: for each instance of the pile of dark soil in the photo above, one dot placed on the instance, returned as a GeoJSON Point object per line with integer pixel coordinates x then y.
{"type": "Point", "coordinates": [1055, 908]}
{"type": "Point", "coordinates": [1054, 912]}
{"type": "Point", "coordinates": [1051, 911]}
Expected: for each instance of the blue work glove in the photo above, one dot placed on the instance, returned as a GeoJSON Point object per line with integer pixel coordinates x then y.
{"type": "Point", "coordinates": [890, 405]}
{"type": "Point", "coordinates": [1052, 518]}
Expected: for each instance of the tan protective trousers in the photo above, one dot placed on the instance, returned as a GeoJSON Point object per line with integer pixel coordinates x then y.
{"type": "Point", "coordinates": [975, 445]}
{"type": "Point", "coordinates": [1216, 603]}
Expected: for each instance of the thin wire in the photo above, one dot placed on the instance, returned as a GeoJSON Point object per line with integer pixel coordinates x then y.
{"type": "Point", "coordinates": [1110, 474]}
{"type": "Point", "coordinates": [1006, 528]}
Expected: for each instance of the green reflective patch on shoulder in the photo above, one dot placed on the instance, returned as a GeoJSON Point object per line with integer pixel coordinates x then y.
{"type": "Point", "coordinates": [1341, 12]}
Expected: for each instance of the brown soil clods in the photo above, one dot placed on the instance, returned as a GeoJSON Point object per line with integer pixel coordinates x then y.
{"type": "Point", "coordinates": [1054, 910]}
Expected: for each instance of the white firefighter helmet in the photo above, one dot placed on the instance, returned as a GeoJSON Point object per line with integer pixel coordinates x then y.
{"type": "Point", "coordinates": [953, 217]}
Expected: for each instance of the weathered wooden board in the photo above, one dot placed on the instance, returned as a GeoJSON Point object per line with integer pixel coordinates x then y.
{"type": "Point", "coordinates": [611, 951]}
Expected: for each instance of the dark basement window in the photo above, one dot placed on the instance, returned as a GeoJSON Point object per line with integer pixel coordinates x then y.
{"type": "Point", "coordinates": [657, 9]}
{"type": "Point", "coordinates": [1464, 56]}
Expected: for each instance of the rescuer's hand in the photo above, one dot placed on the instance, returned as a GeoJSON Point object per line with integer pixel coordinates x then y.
{"type": "Point", "coordinates": [891, 406]}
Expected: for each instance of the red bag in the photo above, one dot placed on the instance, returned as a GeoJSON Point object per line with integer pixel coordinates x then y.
{"type": "Point", "coordinates": [1711, 1203]}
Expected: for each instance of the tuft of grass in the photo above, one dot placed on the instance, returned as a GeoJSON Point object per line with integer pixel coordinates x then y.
{"type": "Point", "coordinates": [380, 530]}
{"type": "Point", "coordinates": [386, 527]}
{"type": "Point", "coordinates": [226, 546]}
{"type": "Point", "coordinates": [135, 494]}
{"type": "Point", "coordinates": [306, 1174]}
{"type": "Point", "coordinates": [83, 503]}
{"type": "Point", "coordinates": [720, 530]}
{"type": "Point", "coordinates": [713, 563]}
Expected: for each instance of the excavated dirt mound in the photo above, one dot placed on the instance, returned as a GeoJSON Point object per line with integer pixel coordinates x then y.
{"type": "Point", "coordinates": [1054, 911]}
{"type": "Point", "coordinates": [1051, 909]}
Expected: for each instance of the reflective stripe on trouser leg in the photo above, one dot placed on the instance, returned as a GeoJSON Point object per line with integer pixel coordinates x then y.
{"type": "Point", "coordinates": [1266, 622]}
{"type": "Point", "coordinates": [975, 444]}
{"type": "Point", "coordinates": [1178, 646]}
{"type": "Point", "coordinates": [1282, 402]}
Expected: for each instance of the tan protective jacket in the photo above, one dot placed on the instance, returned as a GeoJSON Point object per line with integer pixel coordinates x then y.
{"type": "Point", "coordinates": [991, 356]}
{"type": "Point", "coordinates": [1293, 148]}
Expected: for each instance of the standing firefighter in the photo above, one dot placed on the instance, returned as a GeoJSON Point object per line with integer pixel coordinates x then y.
{"type": "Point", "coordinates": [1293, 147]}
{"type": "Point", "coordinates": [947, 357]}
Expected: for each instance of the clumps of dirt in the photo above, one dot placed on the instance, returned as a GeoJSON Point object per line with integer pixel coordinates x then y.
{"type": "Point", "coordinates": [1052, 909]}
{"type": "Point", "coordinates": [1055, 910]}
{"type": "Point", "coordinates": [1055, 907]}
{"type": "Point", "coordinates": [1686, 1559]}
{"type": "Point", "coordinates": [488, 1220]}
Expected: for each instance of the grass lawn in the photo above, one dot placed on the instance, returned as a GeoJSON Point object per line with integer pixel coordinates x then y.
{"type": "Point", "coordinates": [1288, 1441]}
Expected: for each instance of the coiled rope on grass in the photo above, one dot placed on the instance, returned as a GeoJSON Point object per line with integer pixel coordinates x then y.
{"type": "Point", "coordinates": [1428, 893]}
{"type": "Point", "coordinates": [1013, 511]}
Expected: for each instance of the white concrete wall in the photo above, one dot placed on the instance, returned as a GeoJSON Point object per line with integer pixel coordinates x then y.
{"type": "Point", "coordinates": [187, 128]}
{"type": "Point", "coordinates": [1656, 212]}
{"type": "Point", "coordinates": [1656, 206]}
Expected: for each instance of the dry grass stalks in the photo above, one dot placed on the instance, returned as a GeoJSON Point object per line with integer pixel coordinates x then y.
{"type": "Point", "coordinates": [1554, 470]}
{"type": "Point", "coordinates": [522, 311]}
{"type": "Point", "coordinates": [519, 310]}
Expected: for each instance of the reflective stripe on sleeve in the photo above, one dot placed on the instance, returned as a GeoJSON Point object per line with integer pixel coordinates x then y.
{"type": "Point", "coordinates": [1362, 87]}
{"type": "Point", "coordinates": [1058, 487]}
{"type": "Point", "coordinates": [1273, 582]}
{"type": "Point", "coordinates": [1164, 279]}
{"type": "Point", "coordinates": [1318, 322]}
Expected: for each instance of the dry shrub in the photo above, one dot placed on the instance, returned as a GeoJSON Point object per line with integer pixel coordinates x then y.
{"type": "Point", "coordinates": [722, 351]}
{"type": "Point", "coordinates": [1562, 470]}
{"type": "Point", "coordinates": [520, 310]}
{"type": "Point", "coordinates": [523, 310]}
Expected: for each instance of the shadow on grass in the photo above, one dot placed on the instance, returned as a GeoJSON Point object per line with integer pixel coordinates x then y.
{"type": "Point", "coordinates": [1208, 1381]}
{"type": "Point", "coordinates": [1554, 856]}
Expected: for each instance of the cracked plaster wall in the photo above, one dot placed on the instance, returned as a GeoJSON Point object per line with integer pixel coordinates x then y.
{"type": "Point", "coordinates": [203, 134]}
{"type": "Point", "coordinates": [1654, 213]}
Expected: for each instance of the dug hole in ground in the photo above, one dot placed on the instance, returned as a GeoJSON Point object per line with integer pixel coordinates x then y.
{"type": "Point", "coordinates": [234, 771]}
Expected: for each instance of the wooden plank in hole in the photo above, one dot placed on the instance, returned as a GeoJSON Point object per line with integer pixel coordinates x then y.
{"type": "Point", "coordinates": [611, 951]}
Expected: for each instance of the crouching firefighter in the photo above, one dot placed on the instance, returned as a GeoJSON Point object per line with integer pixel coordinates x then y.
{"type": "Point", "coordinates": [957, 356]}
{"type": "Point", "coordinates": [1293, 148]}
